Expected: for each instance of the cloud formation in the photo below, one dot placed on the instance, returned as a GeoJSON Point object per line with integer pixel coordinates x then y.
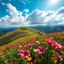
{"type": "Point", "coordinates": [14, 18]}
{"type": "Point", "coordinates": [36, 17]}
{"type": "Point", "coordinates": [47, 18]}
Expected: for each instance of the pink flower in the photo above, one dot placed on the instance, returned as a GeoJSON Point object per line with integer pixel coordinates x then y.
{"type": "Point", "coordinates": [59, 56]}
{"type": "Point", "coordinates": [0, 56]}
{"type": "Point", "coordinates": [57, 46]}
{"type": "Point", "coordinates": [30, 45]}
{"type": "Point", "coordinates": [41, 50]}
{"type": "Point", "coordinates": [25, 54]}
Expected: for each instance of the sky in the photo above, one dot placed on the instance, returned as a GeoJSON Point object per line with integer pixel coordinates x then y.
{"type": "Point", "coordinates": [17, 13]}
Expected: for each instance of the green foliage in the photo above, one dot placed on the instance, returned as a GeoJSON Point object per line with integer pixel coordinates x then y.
{"type": "Point", "coordinates": [58, 38]}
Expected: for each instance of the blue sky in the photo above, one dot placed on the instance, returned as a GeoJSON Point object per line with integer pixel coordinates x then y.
{"type": "Point", "coordinates": [16, 13]}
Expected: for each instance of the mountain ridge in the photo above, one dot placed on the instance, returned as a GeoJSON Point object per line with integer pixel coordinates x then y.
{"type": "Point", "coordinates": [19, 33]}
{"type": "Point", "coordinates": [46, 29]}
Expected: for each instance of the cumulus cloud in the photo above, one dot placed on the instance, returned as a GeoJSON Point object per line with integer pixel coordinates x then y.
{"type": "Point", "coordinates": [14, 18]}
{"type": "Point", "coordinates": [47, 18]}
{"type": "Point", "coordinates": [36, 17]}
{"type": "Point", "coordinates": [12, 10]}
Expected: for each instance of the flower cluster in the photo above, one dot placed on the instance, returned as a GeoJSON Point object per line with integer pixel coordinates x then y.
{"type": "Point", "coordinates": [34, 53]}
{"type": "Point", "coordinates": [57, 46]}
{"type": "Point", "coordinates": [25, 54]}
{"type": "Point", "coordinates": [41, 50]}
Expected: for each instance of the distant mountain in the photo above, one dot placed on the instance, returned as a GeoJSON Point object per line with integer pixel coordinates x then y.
{"type": "Point", "coordinates": [6, 30]}
{"type": "Point", "coordinates": [49, 29]}
{"type": "Point", "coordinates": [46, 29]}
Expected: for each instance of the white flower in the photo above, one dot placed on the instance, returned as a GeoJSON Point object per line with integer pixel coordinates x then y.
{"type": "Point", "coordinates": [35, 50]}
{"type": "Point", "coordinates": [20, 46]}
{"type": "Point", "coordinates": [37, 42]}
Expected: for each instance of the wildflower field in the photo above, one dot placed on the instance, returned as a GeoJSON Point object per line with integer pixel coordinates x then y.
{"type": "Point", "coordinates": [41, 51]}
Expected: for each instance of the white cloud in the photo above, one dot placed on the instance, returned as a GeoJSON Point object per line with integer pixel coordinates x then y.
{"type": "Point", "coordinates": [26, 10]}
{"type": "Point", "coordinates": [40, 17]}
{"type": "Point", "coordinates": [36, 17]}
{"type": "Point", "coordinates": [14, 18]}
{"type": "Point", "coordinates": [3, 3]}
{"type": "Point", "coordinates": [46, 18]}
{"type": "Point", "coordinates": [12, 10]}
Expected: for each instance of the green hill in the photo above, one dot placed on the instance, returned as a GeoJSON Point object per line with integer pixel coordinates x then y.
{"type": "Point", "coordinates": [18, 34]}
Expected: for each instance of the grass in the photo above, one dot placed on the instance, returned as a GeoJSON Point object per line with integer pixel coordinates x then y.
{"type": "Point", "coordinates": [14, 35]}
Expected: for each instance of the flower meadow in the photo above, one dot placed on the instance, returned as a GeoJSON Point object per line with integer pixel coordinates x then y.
{"type": "Point", "coordinates": [47, 52]}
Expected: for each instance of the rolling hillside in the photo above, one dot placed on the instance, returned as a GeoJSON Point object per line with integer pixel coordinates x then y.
{"type": "Point", "coordinates": [18, 34]}
{"type": "Point", "coordinates": [15, 45]}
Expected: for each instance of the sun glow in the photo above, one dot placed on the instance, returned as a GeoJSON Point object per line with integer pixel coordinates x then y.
{"type": "Point", "coordinates": [53, 2]}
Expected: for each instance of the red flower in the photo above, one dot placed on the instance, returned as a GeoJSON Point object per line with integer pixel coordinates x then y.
{"type": "Point", "coordinates": [62, 46]}
{"type": "Point", "coordinates": [39, 63]}
{"type": "Point", "coordinates": [0, 56]}
{"type": "Point", "coordinates": [40, 58]}
{"type": "Point", "coordinates": [14, 61]}
{"type": "Point", "coordinates": [31, 63]}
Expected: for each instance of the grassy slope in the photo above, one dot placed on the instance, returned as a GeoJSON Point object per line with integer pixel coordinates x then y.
{"type": "Point", "coordinates": [18, 34]}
